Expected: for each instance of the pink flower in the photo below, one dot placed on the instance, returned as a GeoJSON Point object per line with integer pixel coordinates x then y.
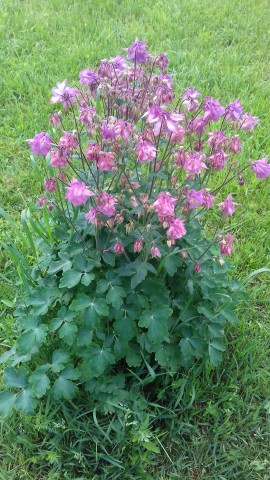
{"type": "Point", "coordinates": [40, 144]}
{"type": "Point", "coordinates": [137, 52]}
{"type": "Point", "coordinates": [248, 122]}
{"type": "Point", "coordinates": [107, 130]}
{"type": "Point", "coordinates": [164, 205]}
{"type": "Point", "coordinates": [261, 168]}
{"type": "Point", "coordinates": [50, 184]}
{"type": "Point", "coordinates": [91, 216]}
{"type": "Point", "coordinates": [194, 164]}
{"type": "Point", "coordinates": [178, 135]}
{"type": "Point", "coordinates": [227, 207]}
{"type": "Point", "coordinates": [162, 61]}
{"type": "Point", "coordinates": [78, 192]}
{"type": "Point", "coordinates": [218, 160]}
{"type": "Point", "coordinates": [155, 252]}
{"type": "Point", "coordinates": [208, 199]}
{"type": "Point", "coordinates": [234, 110]}
{"type": "Point", "coordinates": [164, 94]}
{"type": "Point", "coordinates": [119, 63]}
{"type": "Point", "coordinates": [235, 145]}
{"type": "Point", "coordinates": [59, 158]}
{"type": "Point", "coordinates": [68, 141]}
{"type": "Point", "coordinates": [105, 202]}
{"type": "Point", "coordinates": [226, 244]}
{"type": "Point", "coordinates": [146, 151]}
{"type": "Point", "coordinates": [64, 94]}
{"type": "Point", "coordinates": [195, 198]}
{"type": "Point", "coordinates": [213, 109]}
{"type": "Point", "coordinates": [217, 140]}
{"type": "Point", "coordinates": [190, 97]}
{"type": "Point", "coordinates": [180, 158]}
{"type": "Point", "coordinates": [55, 120]}
{"type": "Point", "coordinates": [198, 125]}
{"type": "Point", "coordinates": [105, 161]}
{"type": "Point", "coordinates": [92, 151]}
{"type": "Point", "coordinates": [118, 247]}
{"type": "Point", "coordinates": [138, 245]}
{"type": "Point", "coordinates": [176, 228]}
{"type": "Point", "coordinates": [123, 129]}
{"type": "Point", "coordinates": [197, 267]}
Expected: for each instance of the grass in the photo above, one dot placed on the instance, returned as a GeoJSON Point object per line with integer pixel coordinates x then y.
{"type": "Point", "coordinates": [221, 47]}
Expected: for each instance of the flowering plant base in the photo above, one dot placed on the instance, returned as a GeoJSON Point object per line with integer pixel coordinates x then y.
{"type": "Point", "coordinates": [125, 281]}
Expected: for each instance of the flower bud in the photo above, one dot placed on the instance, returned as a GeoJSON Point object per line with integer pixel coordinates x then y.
{"type": "Point", "coordinates": [197, 267]}
{"type": "Point", "coordinates": [118, 247]}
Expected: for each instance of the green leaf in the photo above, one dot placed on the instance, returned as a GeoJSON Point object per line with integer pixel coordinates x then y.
{"type": "Point", "coordinates": [215, 350]}
{"type": "Point", "coordinates": [84, 337]}
{"type": "Point", "coordinates": [41, 299]}
{"type": "Point", "coordinates": [114, 296]}
{"type": "Point", "coordinates": [81, 302]}
{"type": "Point", "coordinates": [230, 315]}
{"type": "Point", "coordinates": [102, 286]}
{"type": "Point", "coordinates": [16, 379]}
{"type": "Point", "coordinates": [63, 387]}
{"type": "Point", "coordinates": [7, 401]}
{"type": "Point", "coordinates": [156, 322]}
{"type": "Point", "coordinates": [171, 264]}
{"type": "Point", "coordinates": [133, 356]}
{"type": "Point", "coordinates": [68, 332]}
{"type": "Point", "coordinates": [31, 338]}
{"type": "Point", "coordinates": [215, 330]}
{"type": "Point", "coordinates": [25, 402]}
{"type": "Point", "coordinates": [87, 278]}
{"type": "Point", "coordinates": [151, 447]}
{"type": "Point", "coordinates": [59, 360]}
{"type": "Point", "coordinates": [98, 359]}
{"type": "Point", "coordinates": [60, 265]}
{"type": "Point", "coordinates": [40, 382]}
{"type": "Point", "coordinates": [139, 276]}
{"type": "Point", "coordinates": [125, 327]}
{"type": "Point", "coordinates": [70, 279]}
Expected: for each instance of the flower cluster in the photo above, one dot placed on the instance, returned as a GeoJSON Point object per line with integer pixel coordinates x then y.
{"type": "Point", "coordinates": [139, 158]}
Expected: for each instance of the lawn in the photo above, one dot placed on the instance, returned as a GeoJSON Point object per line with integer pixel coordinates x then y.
{"type": "Point", "coordinates": [221, 431]}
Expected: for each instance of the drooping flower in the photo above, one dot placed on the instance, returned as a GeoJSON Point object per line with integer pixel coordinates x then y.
{"type": "Point", "coordinates": [105, 202]}
{"type": "Point", "coordinates": [190, 99]}
{"type": "Point", "coordinates": [248, 122]}
{"type": "Point", "coordinates": [146, 151]}
{"type": "Point", "coordinates": [123, 129]}
{"type": "Point", "coordinates": [59, 158]}
{"type": "Point", "coordinates": [138, 245]}
{"type": "Point", "coordinates": [118, 247]}
{"type": "Point", "coordinates": [41, 144]}
{"type": "Point", "coordinates": [235, 145]}
{"type": "Point", "coordinates": [78, 193]}
{"type": "Point", "coordinates": [195, 198]}
{"type": "Point", "coordinates": [50, 184]}
{"type": "Point", "coordinates": [137, 52]}
{"type": "Point", "coordinates": [197, 267]}
{"type": "Point", "coordinates": [198, 125]}
{"type": "Point", "coordinates": [64, 94]}
{"type": "Point", "coordinates": [180, 158]}
{"type": "Point", "coordinates": [217, 140]}
{"type": "Point", "coordinates": [213, 109]}
{"type": "Point", "coordinates": [119, 63]}
{"type": "Point", "coordinates": [162, 61]}
{"type": "Point", "coordinates": [261, 168]}
{"type": "Point", "coordinates": [106, 162]}
{"type": "Point", "coordinates": [92, 151]}
{"type": "Point", "coordinates": [88, 77]}
{"type": "Point", "coordinates": [234, 110]}
{"type": "Point", "coordinates": [176, 228]}
{"type": "Point", "coordinates": [208, 199]}
{"type": "Point", "coordinates": [164, 205]}
{"type": "Point", "coordinates": [218, 160]}
{"type": "Point", "coordinates": [107, 130]}
{"type": "Point", "coordinates": [227, 207]}
{"type": "Point", "coordinates": [155, 252]}
{"type": "Point", "coordinates": [162, 120]}
{"type": "Point", "coordinates": [178, 135]}
{"type": "Point", "coordinates": [91, 216]}
{"type": "Point", "coordinates": [68, 141]}
{"type": "Point", "coordinates": [226, 244]}
{"type": "Point", "coordinates": [55, 120]}
{"type": "Point", "coordinates": [194, 164]}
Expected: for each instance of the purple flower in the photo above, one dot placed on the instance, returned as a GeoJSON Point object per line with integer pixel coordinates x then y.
{"type": "Point", "coordinates": [119, 63]}
{"type": "Point", "coordinates": [155, 252]}
{"type": "Point", "coordinates": [190, 101]}
{"type": "Point", "coordinates": [198, 125]}
{"type": "Point", "coordinates": [137, 52]}
{"type": "Point", "coordinates": [226, 244]}
{"type": "Point", "coordinates": [78, 192]}
{"type": "Point", "coordinates": [50, 184]}
{"type": "Point", "coordinates": [63, 94]}
{"type": "Point", "coordinates": [227, 207]}
{"type": "Point", "coordinates": [107, 130]}
{"type": "Point", "coordinates": [88, 77]}
{"type": "Point", "coordinates": [194, 164]}
{"type": "Point", "coordinates": [91, 216]}
{"type": "Point", "coordinates": [59, 158]}
{"type": "Point", "coordinates": [218, 160]}
{"type": "Point", "coordinates": [40, 144]}
{"type": "Point", "coordinates": [213, 109]}
{"type": "Point", "coordinates": [163, 120]}
{"type": "Point", "coordinates": [234, 110]}
{"type": "Point", "coordinates": [261, 168]}
{"type": "Point", "coordinates": [162, 61]}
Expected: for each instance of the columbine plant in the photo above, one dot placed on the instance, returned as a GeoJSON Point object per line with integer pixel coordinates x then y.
{"type": "Point", "coordinates": [125, 281]}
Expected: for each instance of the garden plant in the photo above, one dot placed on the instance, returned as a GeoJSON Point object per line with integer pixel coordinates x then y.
{"type": "Point", "coordinates": [130, 281]}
